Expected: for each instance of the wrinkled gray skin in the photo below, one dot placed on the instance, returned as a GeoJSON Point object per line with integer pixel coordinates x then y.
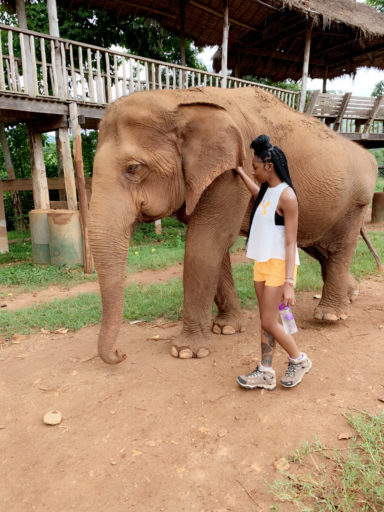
{"type": "Point", "coordinates": [164, 152]}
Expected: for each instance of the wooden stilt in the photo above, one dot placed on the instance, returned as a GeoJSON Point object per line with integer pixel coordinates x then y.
{"type": "Point", "coordinates": [39, 176]}
{"type": "Point", "coordinates": [3, 226]}
{"type": "Point", "coordinates": [307, 51]}
{"type": "Point", "coordinates": [224, 46]}
{"type": "Point", "coordinates": [69, 174]}
{"type": "Point", "coordinates": [64, 144]}
{"type": "Point", "coordinates": [80, 180]}
{"type": "Point", "coordinates": [158, 228]}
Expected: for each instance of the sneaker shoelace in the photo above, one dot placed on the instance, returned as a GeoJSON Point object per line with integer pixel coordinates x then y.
{"type": "Point", "coordinates": [256, 372]}
{"type": "Point", "coordinates": [291, 369]}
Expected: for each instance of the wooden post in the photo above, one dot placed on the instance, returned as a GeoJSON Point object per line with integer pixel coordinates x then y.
{"type": "Point", "coordinates": [182, 41]}
{"type": "Point", "coordinates": [325, 76]}
{"type": "Point", "coordinates": [182, 35]}
{"type": "Point", "coordinates": [158, 228]}
{"type": "Point", "coordinates": [83, 199]}
{"type": "Point", "coordinates": [3, 226]}
{"type": "Point", "coordinates": [224, 46]}
{"type": "Point", "coordinates": [69, 174]}
{"type": "Point", "coordinates": [62, 133]}
{"type": "Point", "coordinates": [39, 176]}
{"type": "Point", "coordinates": [307, 51]}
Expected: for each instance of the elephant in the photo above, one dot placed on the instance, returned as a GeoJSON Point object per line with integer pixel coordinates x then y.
{"type": "Point", "coordinates": [166, 152]}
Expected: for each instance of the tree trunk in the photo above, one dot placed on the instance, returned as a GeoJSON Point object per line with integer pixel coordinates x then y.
{"type": "Point", "coordinates": [16, 202]}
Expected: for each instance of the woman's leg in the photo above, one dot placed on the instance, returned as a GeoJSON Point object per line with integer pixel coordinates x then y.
{"type": "Point", "coordinates": [268, 342]}
{"type": "Point", "coordinates": [271, 328]}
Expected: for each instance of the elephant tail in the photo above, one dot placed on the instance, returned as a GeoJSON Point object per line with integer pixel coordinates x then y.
{"type": "Point", "coordinates": [363, 233]}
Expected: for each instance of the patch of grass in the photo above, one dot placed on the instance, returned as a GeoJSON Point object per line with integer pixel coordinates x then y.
{"type": "Point", "coordinates": [338, 480]}
{"type": "Point", "coordinates": [20, 251]}
{"type": "Point", "coordinates": [141, 303]}
{"type": "Point", "coordinates": [28, 277]}
{"type": "Point", "coordinates": [173, 231]}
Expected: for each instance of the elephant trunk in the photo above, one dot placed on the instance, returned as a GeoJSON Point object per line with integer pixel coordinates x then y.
{"type": "Point", "coordinates": [109, 237]}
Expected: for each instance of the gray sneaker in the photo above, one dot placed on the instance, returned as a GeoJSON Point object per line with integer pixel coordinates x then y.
{"type": "Point", "coordinates": [295, 372]}
{"type": "Point", "coordinates": [265, 379]}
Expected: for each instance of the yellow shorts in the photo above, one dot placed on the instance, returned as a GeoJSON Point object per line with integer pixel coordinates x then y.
{"type": "Point", "coordinates": [271, 271]}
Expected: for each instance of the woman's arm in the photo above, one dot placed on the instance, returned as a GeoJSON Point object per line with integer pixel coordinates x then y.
{"type": "Point", "coordinates": [251, 185]}
{"type": "Point", "coordinates": [288, 205]}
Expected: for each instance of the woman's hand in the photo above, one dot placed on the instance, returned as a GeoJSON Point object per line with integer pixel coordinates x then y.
{"type": "Point", "coordinates": [288, 294]}
{"type": "Point", "coordinates": [251, 185]}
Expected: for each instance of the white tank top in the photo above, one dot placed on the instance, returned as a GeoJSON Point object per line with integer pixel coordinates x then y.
{"type": "Point", "coordinates": [266, 240]}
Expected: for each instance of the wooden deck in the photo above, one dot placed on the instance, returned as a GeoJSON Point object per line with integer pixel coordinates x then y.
{"type": "Point", "coordinates": [34, 67]}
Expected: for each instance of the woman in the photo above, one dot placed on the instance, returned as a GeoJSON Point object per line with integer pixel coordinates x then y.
{"type": "Point", "coordinates": [272, 244]}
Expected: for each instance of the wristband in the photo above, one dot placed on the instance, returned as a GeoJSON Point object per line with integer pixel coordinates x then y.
{"type": "Point", "coordinates": [290, 283]}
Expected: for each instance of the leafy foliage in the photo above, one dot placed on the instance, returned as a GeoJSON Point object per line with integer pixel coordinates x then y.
{"type": "Point", "coordinates": [377, 4]}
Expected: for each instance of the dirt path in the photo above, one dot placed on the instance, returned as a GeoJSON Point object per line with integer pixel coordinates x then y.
{"type": "Point", "coordinates": [159, 434]}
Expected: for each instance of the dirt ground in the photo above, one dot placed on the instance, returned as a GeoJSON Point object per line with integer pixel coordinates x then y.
{"type": "Point", "coordinates": [159, 434]}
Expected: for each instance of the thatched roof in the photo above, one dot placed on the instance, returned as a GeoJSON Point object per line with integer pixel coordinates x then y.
{"type": "Point", "coordinates": [266, 37]}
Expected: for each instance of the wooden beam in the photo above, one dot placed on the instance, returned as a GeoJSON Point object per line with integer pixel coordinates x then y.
{"type": "Point", "coordinates": [291, 57]}
{"type": "Point", "coordinates": [376, 108]}
{"type": "Point", "coordinates": [83, 200]}
{"type": "Point", "coordinates": [312, 102]}
{"type": "Point", "coordinates": [26, 184]}
{"type": "Point", "coordinates": [343, 108]}
{"type": "Point", "coordinates": [48, 124]}
{"type": "Point", "coordinates": [224, 45]}
{"type": "Point", "coordinates": [218, 14]}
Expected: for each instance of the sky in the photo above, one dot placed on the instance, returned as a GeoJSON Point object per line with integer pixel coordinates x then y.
{"type": "Point", "coordinates": [361, 85]}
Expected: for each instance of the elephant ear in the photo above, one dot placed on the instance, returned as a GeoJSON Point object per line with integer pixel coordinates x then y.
{"type": "Point", "coordinates": [210, 144]}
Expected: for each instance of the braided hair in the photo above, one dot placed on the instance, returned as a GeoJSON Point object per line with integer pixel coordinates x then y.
{"type": "Point", "coordinates": [263, 148]}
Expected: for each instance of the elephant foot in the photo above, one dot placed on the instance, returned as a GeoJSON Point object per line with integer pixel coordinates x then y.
{"type": "Point", "coordinates": [185, 352]}
{"type": "Point", "coordinates": [189, 348]}
{"type": "Point", "coordinates": [113, 356]}
{"type": "Point", "coordinates": [227, 325]}
{"type": "Point", "coordinates": [328, 314]}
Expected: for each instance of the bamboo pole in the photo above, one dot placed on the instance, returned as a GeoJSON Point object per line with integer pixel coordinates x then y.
{"type": "Point", "coordinates": [83, 199]}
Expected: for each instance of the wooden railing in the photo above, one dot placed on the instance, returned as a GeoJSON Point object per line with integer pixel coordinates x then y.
{"type": "Point", "coordinates": [347, 113]}
{"type": "Point", "coordinates": [37, 65]}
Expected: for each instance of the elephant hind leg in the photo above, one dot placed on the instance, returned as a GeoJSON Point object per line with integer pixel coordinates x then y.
{"type": "Point", "coordinates": [322, 257]}
{"type": "Point", "coordinates": [228, 319]}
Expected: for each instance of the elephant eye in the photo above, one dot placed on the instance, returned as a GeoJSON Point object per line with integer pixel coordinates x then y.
{"type": "Point", "coordinates": [133, 168]}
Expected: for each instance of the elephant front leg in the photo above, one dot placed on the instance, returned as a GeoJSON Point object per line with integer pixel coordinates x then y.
{"type": "Point", "coordinates": [204, 255]}
{"type": "Point", "coordinates": [228, 319]}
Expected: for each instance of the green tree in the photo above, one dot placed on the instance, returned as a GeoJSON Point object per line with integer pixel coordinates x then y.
{"type": "Point", "coordinates": [377, 4]}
